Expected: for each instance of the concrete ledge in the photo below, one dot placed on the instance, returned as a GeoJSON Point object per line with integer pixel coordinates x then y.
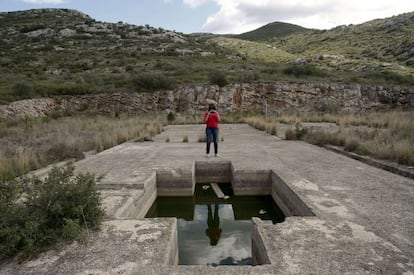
{"type": "Point", "coordinates": [259, 253]}
{"type": "Point", "coordinates": [212, 171]}
{"type": "Point", "coordinates": [121, 247]}
{"type": "Point", "coordinates": [251, 182]}
{"type": "Point", "coordinates": [387, 166]}
{"type": "Point", "coordinates": [288, 201]}
{"type": "Point", "coordinates": [120, 203]}
{"type": "Point", "coordinates": [129, 203]}
{"type": "Point", "coordinates": [175, 182]}
{"type": "Point", "coordinates": [144, 203]}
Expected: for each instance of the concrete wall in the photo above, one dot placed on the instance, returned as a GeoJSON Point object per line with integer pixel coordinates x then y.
{"type": "Point", "coordinates": [150, 194]}
{"type": "Point", "coordinates": [259, 253]}
{"type": "Point", "coordinates": [176, 182]}
{"type": "Point", "coordinates": [172, 252]}
{"type": "Point", "coordinates": [251, 182]}
{"type": "Point", "coordinates": [137, 207]}
{"type": "Point", "coordinates": [213, 171]}
{"type": "Point", "coordinates": [287, 199]}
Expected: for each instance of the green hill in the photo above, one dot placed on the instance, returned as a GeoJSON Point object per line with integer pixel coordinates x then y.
{"type": "Point", "coordinates": [53, 52]}
{"type": "Point", "coordinates": [272, 30]}
{"type": "Point", "coordinates": [388, 40]}
{"type": "Point", "coordinates": [59, 52]}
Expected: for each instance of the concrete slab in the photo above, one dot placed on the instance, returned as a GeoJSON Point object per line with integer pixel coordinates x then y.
{"type": "Point", "coordinates": [364, 221]}
{"type": "Point", "coordinates": [122, 247]}
{"type": "Point", "coordinates": [217, 190]}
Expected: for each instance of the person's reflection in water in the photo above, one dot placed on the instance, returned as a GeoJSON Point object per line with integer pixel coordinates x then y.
{"type": "Point", "coordinates": [213, 231]}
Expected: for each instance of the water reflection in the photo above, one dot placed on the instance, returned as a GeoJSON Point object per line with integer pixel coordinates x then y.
{"type": "Point", "coordinates": [233, 245]}
{"type": "Point", "coordinates": [213, 222]}
{"type": "Point", "coordinates": [214, 231]}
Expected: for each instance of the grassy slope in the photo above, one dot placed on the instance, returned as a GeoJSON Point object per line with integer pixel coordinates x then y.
{"type": "Point", "coordinates": [275, 29]}
{"type": "Point", "coordinates": [376, 51]}
{"type": "Point", "coordinates": [372, 43]}
{"type": "Point", "coordinates": [112, 57]}
{"type": "Point", "coordinates": [101, 61]}
{"type": "Point", "coordinates": [256, 50]}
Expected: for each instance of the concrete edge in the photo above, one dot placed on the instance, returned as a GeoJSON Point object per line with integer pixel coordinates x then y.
{"type": "Point", "coordinates": [259, 251]}
{"type": "Point", "coordinates": [288, 199]}
{"type": "Point", "coordinates": [373, 162]}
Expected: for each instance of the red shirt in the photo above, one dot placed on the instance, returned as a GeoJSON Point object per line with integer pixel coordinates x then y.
{"type": "Point", "coordinates": [212, 119]}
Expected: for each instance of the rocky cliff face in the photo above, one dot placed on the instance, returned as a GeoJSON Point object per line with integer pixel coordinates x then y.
{"type": "Point", "coordinates": [278, 96]}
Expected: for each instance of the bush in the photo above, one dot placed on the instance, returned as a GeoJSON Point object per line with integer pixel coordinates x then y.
{"type": "Point", "coordinates": [153, 82]}
{"type": "Point", "coordinates": [170, 117]}
{"type": "Point", "coordinates": [63, 89]}
{"type": "Point", "coordinates": [290, 134]}
{"type": "Point", "coordinates": [218, 78]}
{"type": "Point", "coordinates": [303, 70]}
{"type": "Point", "coordinates": [37, 214]}
{"type": "Point", "coordinates": [390, 76]}
{"type": "Point", "coordinates": [330, 107]}
{"type": "Point", "coordinates": [22, 89]}
{"type": "Point", "coordinates": [299, 132]}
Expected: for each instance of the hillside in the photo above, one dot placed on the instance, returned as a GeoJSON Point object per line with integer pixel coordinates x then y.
{"type": "Point", "coordinates": [382, 43]}
{"type": "Point", "coordinates": [378, 50]}
{"type": "Point", "coordinates": [60, 51]}
{"type": "Point", "coordinates": [49, 52]}
{"type": "Point", "coordinates": [272, 30]}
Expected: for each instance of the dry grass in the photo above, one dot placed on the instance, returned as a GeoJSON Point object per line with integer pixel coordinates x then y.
{"type": "Point", "coordinates": [387, 135]}
{"type": "Point", "coordinates": [262, 124]}
{"type": "Point", "coordinates": [383, 135]}
{"type": "Point", "coordinates": [30, 144]}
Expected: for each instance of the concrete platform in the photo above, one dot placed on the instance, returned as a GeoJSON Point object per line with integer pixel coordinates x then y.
{"type": "Point", "coordinates": [363, 223]}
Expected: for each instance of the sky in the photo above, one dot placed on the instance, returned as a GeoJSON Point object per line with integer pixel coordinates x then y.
{"type": "Point", "coordinates": [224, 16]}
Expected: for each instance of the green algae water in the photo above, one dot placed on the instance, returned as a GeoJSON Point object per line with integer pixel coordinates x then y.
{"type": "Point", "coordinates": [213, 231]}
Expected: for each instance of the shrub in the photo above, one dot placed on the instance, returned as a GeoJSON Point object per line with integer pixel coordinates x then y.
{"type": "Point", "coordinates": [153, 82]}
{"type": "Point", "coordinates": [170, 117]}
{"type": "Point", "coordinates": [391, 76]}
{"type": "Point", "coordinates": [330, 107]}
{"type": "Point", "coordinates": [351, 145]}
{"type": "Point", "coordinates": [53, 210]}
{"type": "Point", "coordinates": [299, 132]}
{"type": "Point", "coordinates": [22, 89]}
{"type": "Point", "coordinates": [290, 134]}
{"type": "Point", "coordinates": [63, 89]}
{"type": "Point", "coordinates": [218, 78]}
{"type": "Point", "coordinates": [62, 151]}
{"type": "Point", "coordinates": [303, 70]}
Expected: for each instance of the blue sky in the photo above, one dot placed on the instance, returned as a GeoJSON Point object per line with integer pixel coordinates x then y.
{"type": "Point", "coordinates": [224, 16]}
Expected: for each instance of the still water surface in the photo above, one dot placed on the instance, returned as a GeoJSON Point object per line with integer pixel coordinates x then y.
{"type": "Point", "coordinates": [214, 231]}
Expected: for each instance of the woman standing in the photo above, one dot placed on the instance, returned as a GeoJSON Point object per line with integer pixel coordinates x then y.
{"type": "Point", "coordinates": [211, 119]}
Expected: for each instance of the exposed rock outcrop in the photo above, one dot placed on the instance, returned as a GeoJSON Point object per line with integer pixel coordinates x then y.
{"type": "Point", "coordinates": [278, 96]}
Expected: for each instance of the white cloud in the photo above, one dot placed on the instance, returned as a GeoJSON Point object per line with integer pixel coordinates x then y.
{"type": "Point", "coordinates": [194, 3]}
{"type": "Point", "coordinates": [236, 16]}
{"type": "Point", "coordinates": [44, 1]}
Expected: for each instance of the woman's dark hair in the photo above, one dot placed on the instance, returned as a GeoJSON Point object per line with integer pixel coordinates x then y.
{"type": "Point", "coordinates": [211, 106]}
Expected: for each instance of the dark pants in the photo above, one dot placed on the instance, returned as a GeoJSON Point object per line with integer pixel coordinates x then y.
{"type": "Point", "coordinates": [212, 134]}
